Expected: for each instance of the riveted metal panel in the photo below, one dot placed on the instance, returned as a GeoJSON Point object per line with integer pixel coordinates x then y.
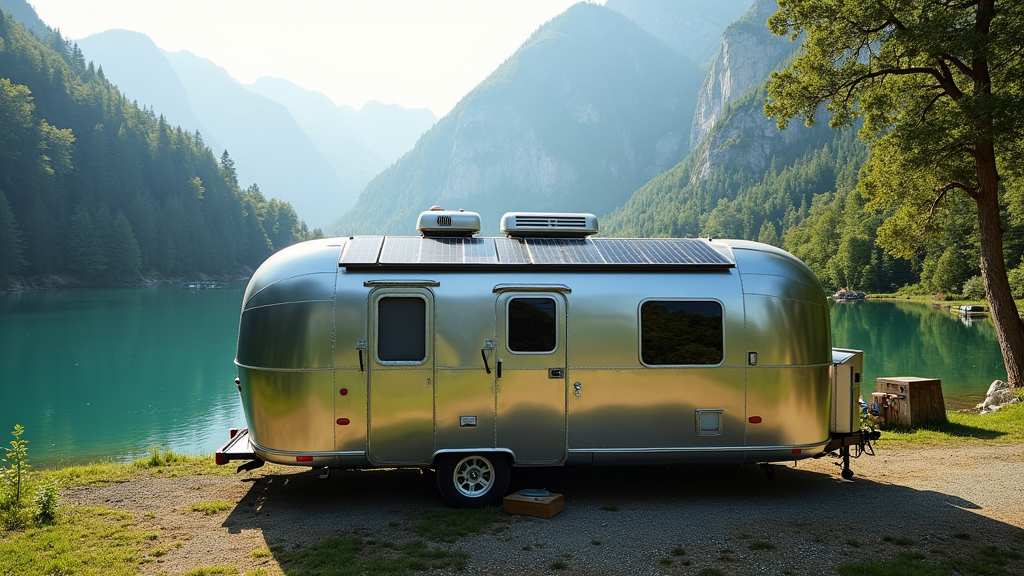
{"type": "Point", "coordinates": [465, 408]}
{"type": "Point", "coordinates": [289, 411]}
{"type": "Point", "coordinates": [792, 403]}
{"type": "Point", "coordinates": [314, 258]}
{"type": "Point", "coordinates": [292, 336]}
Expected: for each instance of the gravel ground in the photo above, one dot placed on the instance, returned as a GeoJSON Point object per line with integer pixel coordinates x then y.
{"type": "Point", "coordinates": [616, 520]}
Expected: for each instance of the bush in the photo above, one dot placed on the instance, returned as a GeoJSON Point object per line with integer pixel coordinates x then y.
{"type": "Point", "coordinates": [974, 289]}
{"type": "Point", "coordinates": [47, 500]}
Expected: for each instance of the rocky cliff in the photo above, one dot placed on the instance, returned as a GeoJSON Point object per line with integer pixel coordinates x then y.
{"type": "Point", "coordinates": [748, 54]}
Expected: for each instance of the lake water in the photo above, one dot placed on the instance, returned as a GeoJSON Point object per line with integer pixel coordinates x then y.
{"type": "Point", "coordinates": [101, 373]}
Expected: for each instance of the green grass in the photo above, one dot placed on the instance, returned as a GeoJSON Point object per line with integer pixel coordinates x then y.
{"type": "Point", "coordinates": [352, 556]}
{"type": "Point", "coordinates": [988, 561]}
{"type": "Point", "coordinates": [1003, 427]}
{"type": "Point", "coordinates": [212, 571]}
{"type": "Point", "coordinates": [159, 462]}
{"type": "Point", "coordinates": [448, 524]}
{"type": "Point", "coordinates": [212, 508]}
{"type": "Point", "coordinates": [761, 545]}
{"type": "Point", "coordinates": [87, 541]}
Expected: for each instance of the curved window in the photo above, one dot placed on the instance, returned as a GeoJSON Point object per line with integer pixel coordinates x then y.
{"type": "Point", "coordinates": [681, 332]}
{"type": "Point", "coordinates": [531, 325]}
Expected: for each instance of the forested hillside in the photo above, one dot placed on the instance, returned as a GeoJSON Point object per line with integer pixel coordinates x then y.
{"type": "Point", "coordinates": [585, 112]}
{"type": "Point", "coordinates": [796, 189]}
{"type": "Point", "coordinates": [94, 189]}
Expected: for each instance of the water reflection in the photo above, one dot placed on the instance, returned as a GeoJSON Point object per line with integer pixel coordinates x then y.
{"type": "Point", "coordinates": [908, 339]}
{"type": "Point", "coordinates": [112, 372]}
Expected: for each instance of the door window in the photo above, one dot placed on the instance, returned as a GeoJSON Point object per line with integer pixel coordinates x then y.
{"type": "Point", "coordinates": [531, 325]}
{"type": "Point", "coordinates": [402, 329]}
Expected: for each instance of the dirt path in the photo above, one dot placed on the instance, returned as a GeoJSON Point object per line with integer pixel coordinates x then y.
{"type": "Point", "coordinates": [616, 520]}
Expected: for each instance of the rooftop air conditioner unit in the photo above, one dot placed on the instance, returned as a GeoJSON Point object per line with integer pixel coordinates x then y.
{"type": "Point", "coordinates": [548, 224]}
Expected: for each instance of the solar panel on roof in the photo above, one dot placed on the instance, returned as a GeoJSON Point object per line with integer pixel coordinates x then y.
{"type": "Point", "coordinates": [361, 250]}
{"type": "Point", "coordinates": [563, 251]}
{"type": "Point", "coordinates": [511, 251]}
{"type": "Point", "coordinates": [416, 250]}
{"type": "Point", "coordinates": [408, 250]}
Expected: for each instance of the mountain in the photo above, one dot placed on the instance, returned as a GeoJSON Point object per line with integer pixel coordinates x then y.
{"type": "Point", "coordinates": [268, 147]}
{"type": "Point", "coordinates": [692, 27]}
{"type": "Point", "coordinates": [95, 190]}
{"type": "Point", "coordinates": [23, 12]}
{"type": "Point", "coordinates": [748, 53]}
{"type": "Point", "coordinates": [588, 109]}
{"type": "Point", "coordinates": [141, 71]}
{"type": "Point", "coordinates": [357, 144]}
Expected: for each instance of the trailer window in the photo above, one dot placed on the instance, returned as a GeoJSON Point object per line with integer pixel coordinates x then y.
{"type": "Point", "coordinates": [401, 329]}
{"type": "Point", "coordinates": [681, 332]}
{"type": "Point", "coordinates": [531, 325]}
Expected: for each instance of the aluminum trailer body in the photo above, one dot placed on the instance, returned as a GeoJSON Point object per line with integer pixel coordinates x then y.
{"type": "Point", "coordinates": [471, 354]}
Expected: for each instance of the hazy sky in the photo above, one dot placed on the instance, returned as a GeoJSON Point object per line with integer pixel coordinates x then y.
{"type": "Point", "coordinates": [416, 53]}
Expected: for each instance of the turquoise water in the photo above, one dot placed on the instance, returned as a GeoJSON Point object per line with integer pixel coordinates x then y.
{"type": "Point", "coordinates": [906, 339]}
{"type": "Point", "coordinates": [95, 373]}
{"type": "Point", "coordinates": [110, 373]}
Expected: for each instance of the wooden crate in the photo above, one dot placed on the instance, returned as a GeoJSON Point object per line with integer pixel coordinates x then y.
{"type": "Point", "coordinates": [539, 506]}
{"type": "Point", "coordinates": [918, 401]}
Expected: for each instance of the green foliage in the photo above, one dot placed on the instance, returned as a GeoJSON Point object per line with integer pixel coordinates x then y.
{"type": "Point", "coordinates": [100, 191]}
{"type": "Point", "coordinates": [975, 290]}
{"type": "Point", "coordinates": [15, 465]}
{"type": "Point", "coordinates": [46, 501]}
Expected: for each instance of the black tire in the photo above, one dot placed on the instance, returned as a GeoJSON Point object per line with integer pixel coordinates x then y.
{"type": "Point", "coordinates": [847, 474]}
{"type": "Point", "coordinates": [472, 480]}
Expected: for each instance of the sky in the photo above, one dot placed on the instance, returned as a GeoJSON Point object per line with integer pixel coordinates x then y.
{"type": "Point", "coordinates": [415, 53]}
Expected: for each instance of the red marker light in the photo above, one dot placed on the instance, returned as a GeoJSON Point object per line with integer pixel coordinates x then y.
{"type": "Point", "coordinates": [344, 391]}
{"type": "Point", "coordinates": [755, 420]}
{"type": "Point", "coordinates": [303, 458]}
{"type": "Point", "coordinates": [343, 421]}
{"type": "Point", "coordinates": [796, 450]}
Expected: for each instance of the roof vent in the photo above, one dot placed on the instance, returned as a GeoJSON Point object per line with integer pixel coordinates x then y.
{"type": "Point", "coordinates": [439, 222]}
{"type": "Point", "coordinates": [548, 225]}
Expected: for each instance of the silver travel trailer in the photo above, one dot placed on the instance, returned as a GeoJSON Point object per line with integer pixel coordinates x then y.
{"type": "Point", "coordinates": [546, 347]}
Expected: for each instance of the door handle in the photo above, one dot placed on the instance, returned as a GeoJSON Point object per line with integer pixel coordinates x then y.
{"type": "Point", "coordinates": [488, 345]}
{"type": "Point", "coordinates": [360, 346]}
{"type": "Point", "coordinates": [499, 368]}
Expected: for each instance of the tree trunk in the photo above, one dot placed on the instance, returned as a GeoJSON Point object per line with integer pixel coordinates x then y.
{"type": "Point", "coordinates": [1009, 327]}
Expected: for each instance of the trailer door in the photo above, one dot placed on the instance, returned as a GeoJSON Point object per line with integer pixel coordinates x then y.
{"type": "Point", "coordinates": [531, 376]}
{"type": "Point", "coordinates": [400, 376]}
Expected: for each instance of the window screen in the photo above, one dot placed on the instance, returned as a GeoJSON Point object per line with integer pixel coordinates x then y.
{"type": "Point", "coordinates": [531, 325]}
{"type": "Point", "coordinates": [680, 332]}
{"type": "Point", "coordinates": [401, 329]}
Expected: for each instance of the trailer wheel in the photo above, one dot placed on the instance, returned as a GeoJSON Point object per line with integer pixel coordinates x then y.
{"type": "Point", "coordinates": [472, 480]}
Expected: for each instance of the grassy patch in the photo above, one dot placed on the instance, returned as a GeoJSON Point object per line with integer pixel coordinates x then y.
{"type": "Point", "coordinates": [449, 524]}
{"type": "Point", "coordinates": [761, 545]}
{"type": "Point", "coordinates": [898, 540]}
{"type": "Point", "coordinates": [558, 565]}
{"type": "Point", "coordinates": [711, 572]}
{"type": "Point", "coordinates": [678, 552]}
{"type": "Point", "coordinates": [1005, 427]}
{"type": "Point", "coordinates": [83, 541]}
{"type": "Point", "coordinates": [212, 571]}
{"type": "Point", "coordinates": [989, 561]}
{"type": "Point", "coordinates": [261, 553]}
{"type": "Point", "coordinates": [212, 508]}
{"type": "Point", "coordinates": [354, 556]}
{"type": "Point", "coordinates": [610, 508]}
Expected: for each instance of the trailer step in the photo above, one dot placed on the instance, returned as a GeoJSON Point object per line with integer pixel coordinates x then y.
{"type": "Point", "coordinates": [237, 448]}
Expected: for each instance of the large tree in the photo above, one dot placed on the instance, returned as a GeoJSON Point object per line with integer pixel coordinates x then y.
{"type": "Point", "coordinates": [939, 86]}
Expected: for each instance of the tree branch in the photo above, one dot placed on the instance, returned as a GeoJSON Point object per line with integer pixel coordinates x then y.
{"type": "Point", "coordinates": [942, 191]}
